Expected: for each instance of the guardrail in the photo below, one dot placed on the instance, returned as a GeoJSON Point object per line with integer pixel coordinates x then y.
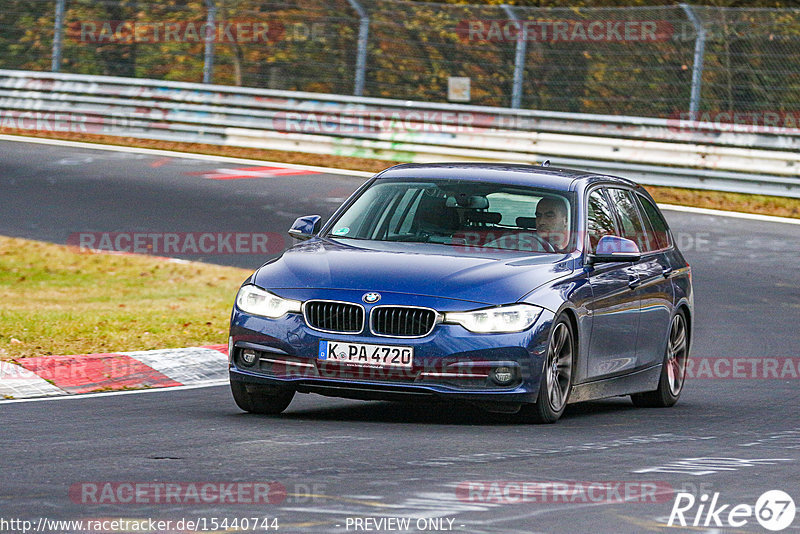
{"type": "Point", "coordinates": [682, 153]}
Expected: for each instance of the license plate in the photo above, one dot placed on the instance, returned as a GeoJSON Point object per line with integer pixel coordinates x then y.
{"type": "Point", "coordinates": [366, 355]}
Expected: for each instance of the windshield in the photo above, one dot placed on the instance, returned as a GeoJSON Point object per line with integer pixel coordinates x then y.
{"type": "Point", "coordinates": [477, 215]}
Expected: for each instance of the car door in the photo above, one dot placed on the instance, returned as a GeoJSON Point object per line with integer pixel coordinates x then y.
{"type": "Point", "coordinates": [652, 288]}
{"type": "Point", "coordinates": [614, 306]}
{"type": "Point", "coordinates": [656, 289]}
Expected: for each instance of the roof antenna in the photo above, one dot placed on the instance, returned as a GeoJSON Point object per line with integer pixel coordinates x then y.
{"type": "Point", "coordinates": [546, 163]}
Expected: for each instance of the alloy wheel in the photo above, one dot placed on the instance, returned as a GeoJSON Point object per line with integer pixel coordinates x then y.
{"type": "Point", "coordinates": [676, 355]}
{"type": "Point", "coordinates": [559, 367]}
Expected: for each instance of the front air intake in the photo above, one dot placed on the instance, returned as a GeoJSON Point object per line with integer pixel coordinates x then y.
{"type": "Point", "coordinates": [335, 317]}
{"type": "Point", "coordinates": [402, 321]}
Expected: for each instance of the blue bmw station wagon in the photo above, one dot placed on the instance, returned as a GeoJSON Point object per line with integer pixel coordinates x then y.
{"type": "Point", "coordinates": [516, 288]}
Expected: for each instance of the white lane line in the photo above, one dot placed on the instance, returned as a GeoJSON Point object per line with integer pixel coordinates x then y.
{"type": "Point", "coordinates": [735, 214]}
{"type": "Point", "coordinates": [186, 155]}
{"type": "Point", "coordinates": [114, 393]}
{"type": "Point", "coordinates": [332, 170]}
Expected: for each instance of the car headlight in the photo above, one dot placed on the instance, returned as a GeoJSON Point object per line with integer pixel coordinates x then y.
{"type": "Point", "coordinates": [252, 299]}
{"type": "Point", "coordinates": [513, 318]}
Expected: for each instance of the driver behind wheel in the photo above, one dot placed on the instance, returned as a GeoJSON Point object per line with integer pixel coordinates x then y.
{"type": "Point", "coordinates": [552, 222]}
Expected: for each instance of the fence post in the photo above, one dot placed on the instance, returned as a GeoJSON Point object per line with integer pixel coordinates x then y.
{"type": "Point", "coordinates": [363, 37]}
{"type": "Point", "coordinates": [58, 32]}
{"type": "Point", "coordinates": [697, 65]}
{"type": "Point", "coordinates": [519, 57]}
{"type": "Point", "coordinates": [210, 35]}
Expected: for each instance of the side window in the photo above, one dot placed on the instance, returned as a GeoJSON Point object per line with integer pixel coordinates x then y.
{"type": "Point", "coordinates": [629, 218]}
{"type": "Point", "coordinates": [600, 219]}
{"type": "Point", "coordinates": [660, 229]}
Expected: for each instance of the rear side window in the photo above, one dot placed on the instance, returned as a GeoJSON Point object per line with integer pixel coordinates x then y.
{"type": "Point", "coordinates": [601, 219]}
{"type": "Point", "coordinates": [660, 230]}
{"type": "Point", "coordinates": [629, 219]}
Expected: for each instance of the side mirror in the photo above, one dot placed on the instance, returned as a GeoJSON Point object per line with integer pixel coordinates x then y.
{"type": "Point", "coordinates": [612, 248]}
{"type": "Point", "coordinates": [305, 227]}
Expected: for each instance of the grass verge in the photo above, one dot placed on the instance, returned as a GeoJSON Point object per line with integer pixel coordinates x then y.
{"type": "Point", "coordinates": [57, 300]}
{"type": "Point", "coordinates": [761, 204]}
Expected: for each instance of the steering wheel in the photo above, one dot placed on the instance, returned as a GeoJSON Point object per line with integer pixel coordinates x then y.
{"type": "Point", "coordinates": [545, 244]}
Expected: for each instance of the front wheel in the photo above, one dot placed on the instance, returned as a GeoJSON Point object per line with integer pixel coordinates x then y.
{"type": "Point", "coordinates": [261, 399]}
{"type": "Point", "coordinates": [556, 381]}
{"type": "Point", "coordinates": [673, 371]}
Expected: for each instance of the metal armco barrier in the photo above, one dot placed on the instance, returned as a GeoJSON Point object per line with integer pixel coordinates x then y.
{"type": "Point", "coordinates": [681, 153]}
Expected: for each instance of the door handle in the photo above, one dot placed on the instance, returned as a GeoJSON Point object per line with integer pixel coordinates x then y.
{"type": "Point", "coordinates": [634, 281]}
{"type": "Point", "coordinates": [666, 272]}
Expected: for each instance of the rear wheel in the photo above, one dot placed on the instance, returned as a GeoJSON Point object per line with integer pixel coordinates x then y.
{"type": "Point", "coordinates": [673, 372]}
{"type": "Point", "coordinates": [556, 379]}
{"type": "Point", "coordinates": [261, 399]}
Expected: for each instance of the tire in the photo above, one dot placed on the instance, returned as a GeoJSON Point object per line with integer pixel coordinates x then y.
{"type": "Point", "coordinates": [261, 399]}
{"type": "Point", "coordinates": [673, 370]}
{"type": "Point", "coordinates": [556, 381]}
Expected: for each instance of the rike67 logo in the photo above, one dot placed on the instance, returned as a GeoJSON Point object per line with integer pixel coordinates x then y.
{"type": "Point", "coordinates": [774, 510]}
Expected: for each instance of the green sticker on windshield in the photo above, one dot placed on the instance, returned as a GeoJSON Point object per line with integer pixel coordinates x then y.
{"type": "Point", "coordinates": [342, 231]}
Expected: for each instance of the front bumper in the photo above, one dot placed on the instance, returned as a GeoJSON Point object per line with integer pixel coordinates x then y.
{"type": "Point", "coordinates": [450, 362]}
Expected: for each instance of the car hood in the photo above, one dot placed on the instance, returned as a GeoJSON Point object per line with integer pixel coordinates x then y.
{"type": "Point", "coordinates": [417, 268]}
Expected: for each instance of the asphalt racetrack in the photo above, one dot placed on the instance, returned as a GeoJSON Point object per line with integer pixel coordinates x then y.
{"type": "Point", "coordinates": [349, 466]}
